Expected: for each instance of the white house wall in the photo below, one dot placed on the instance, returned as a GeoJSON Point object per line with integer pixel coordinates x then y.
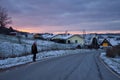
{"type": "Point", "coordinates": [74, 38]}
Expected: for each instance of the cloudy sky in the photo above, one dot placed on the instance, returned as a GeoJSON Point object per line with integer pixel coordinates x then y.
{"type": "Point", "coordinates": [61, 15]}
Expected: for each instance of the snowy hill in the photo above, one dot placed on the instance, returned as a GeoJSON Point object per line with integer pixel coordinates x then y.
{"type": "Point", "coordinates": [12, 46]}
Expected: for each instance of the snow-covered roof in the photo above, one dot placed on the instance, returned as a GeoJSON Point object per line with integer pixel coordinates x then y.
{"type": "Point", "coordinates": [113, 42]}
{"type": "Point", "coordinates": [89, 39]}
{"type": "Point", "coordinates": [64, 36]}
{"type": "Point", "coordinates": [48, 36]}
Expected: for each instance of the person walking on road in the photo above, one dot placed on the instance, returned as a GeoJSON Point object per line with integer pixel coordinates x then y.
{"type": "Point", "coordinates": [34, 51]}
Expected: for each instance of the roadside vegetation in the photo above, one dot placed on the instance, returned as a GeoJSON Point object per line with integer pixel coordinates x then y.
{"type": "Point", "coordinates": [113, 52]}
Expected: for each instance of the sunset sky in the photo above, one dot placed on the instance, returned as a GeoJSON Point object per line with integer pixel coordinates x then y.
{"type": "Point", "coordinates": [54, 16]}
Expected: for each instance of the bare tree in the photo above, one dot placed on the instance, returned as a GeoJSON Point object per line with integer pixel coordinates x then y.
{"type": "Point", "coordinates": [4, 18]}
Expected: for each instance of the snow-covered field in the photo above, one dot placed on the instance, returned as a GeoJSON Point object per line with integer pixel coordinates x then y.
{"type": "Point", "coordinates": [9, 62]}
{"type": "Point", "coordinates": [113, 63]}
{"type": "Point", "coordinates": [11, 46]}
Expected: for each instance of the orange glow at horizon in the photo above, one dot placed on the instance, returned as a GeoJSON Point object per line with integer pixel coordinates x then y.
{"type": "Point", "coordinates": [46, 30]}
{"type": "Point", "coordinates": [31, 30]}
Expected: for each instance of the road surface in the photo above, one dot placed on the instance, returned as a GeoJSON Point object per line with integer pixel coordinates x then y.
{"type": "Point", "coordinates": [83, 66]}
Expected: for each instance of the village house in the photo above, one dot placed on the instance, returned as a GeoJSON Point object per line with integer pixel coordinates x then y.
{"type": "Point", "coordinates": [105, 43]}
{"type": "Point", "coordinates": [92, 41]}
{"type": "Point", "coordinates": [43, 36]}
{"type": "Point", "coordinates": [109, 43]}
{"type": "Point", "coordinates": [37, 36]}
{"type": "Point", "coordinates": [68, 39]}
{"type": "Point", "coordinates": [47, 36]}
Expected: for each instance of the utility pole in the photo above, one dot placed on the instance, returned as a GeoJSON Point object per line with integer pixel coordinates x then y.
{"type": "Point", "coordinates": [84, 33]}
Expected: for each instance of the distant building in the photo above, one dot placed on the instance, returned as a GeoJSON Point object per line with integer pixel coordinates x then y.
{"type": "Point", "coordinates": [92, 41]}
{"type": "Point", "coordinates": [68, 39]}
{"type": "Point", "coordinates": [47, 36]}
{"type": "Point", "coordinates": [43, 36]}
{"type": "Point", "coordinates": [37, 36]}
{"type": "Point", "coordinates": [109, 43]}
{"type": "Point", "coordinates": [105, 43]}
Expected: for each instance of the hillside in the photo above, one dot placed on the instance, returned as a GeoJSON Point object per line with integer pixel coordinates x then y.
{"type": "Point", "coordinates": [10, 46]}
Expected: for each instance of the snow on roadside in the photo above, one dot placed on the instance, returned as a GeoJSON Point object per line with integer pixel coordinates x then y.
{"type": "Point", "coordinates": [113, 63]}
{"type": "Point", "coordinates": [9, 62]}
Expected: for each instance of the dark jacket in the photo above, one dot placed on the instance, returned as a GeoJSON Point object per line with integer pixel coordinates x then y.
{"type": "Point", "coordinates": [34, 49]}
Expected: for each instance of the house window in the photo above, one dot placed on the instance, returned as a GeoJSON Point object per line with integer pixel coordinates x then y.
{"type": "Point", "coordinates": [69, 41]}
{"type": "Point", "coordinates": [76, 41]}
{"type": "Point", "coordinates": [105, 44]}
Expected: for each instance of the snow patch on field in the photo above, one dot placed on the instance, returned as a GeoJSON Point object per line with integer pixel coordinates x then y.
{"type": "Point", "coordinates": [9, 62]}
{"type": "Point", "coordinates": [113, 63]}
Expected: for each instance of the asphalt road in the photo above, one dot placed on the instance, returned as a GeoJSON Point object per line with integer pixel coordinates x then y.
{"type": "Point", "coordinates": [83, 66]}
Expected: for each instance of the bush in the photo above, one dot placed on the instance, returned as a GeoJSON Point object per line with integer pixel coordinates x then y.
{"type": "Point", "coordinates": [78, 47]}
{"type": "Point", "coordinates": [110, 53]}
{"type": "Point", "coordinates": [113, 52]}
{"type": "Point", "coordinates": [117, 50]}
